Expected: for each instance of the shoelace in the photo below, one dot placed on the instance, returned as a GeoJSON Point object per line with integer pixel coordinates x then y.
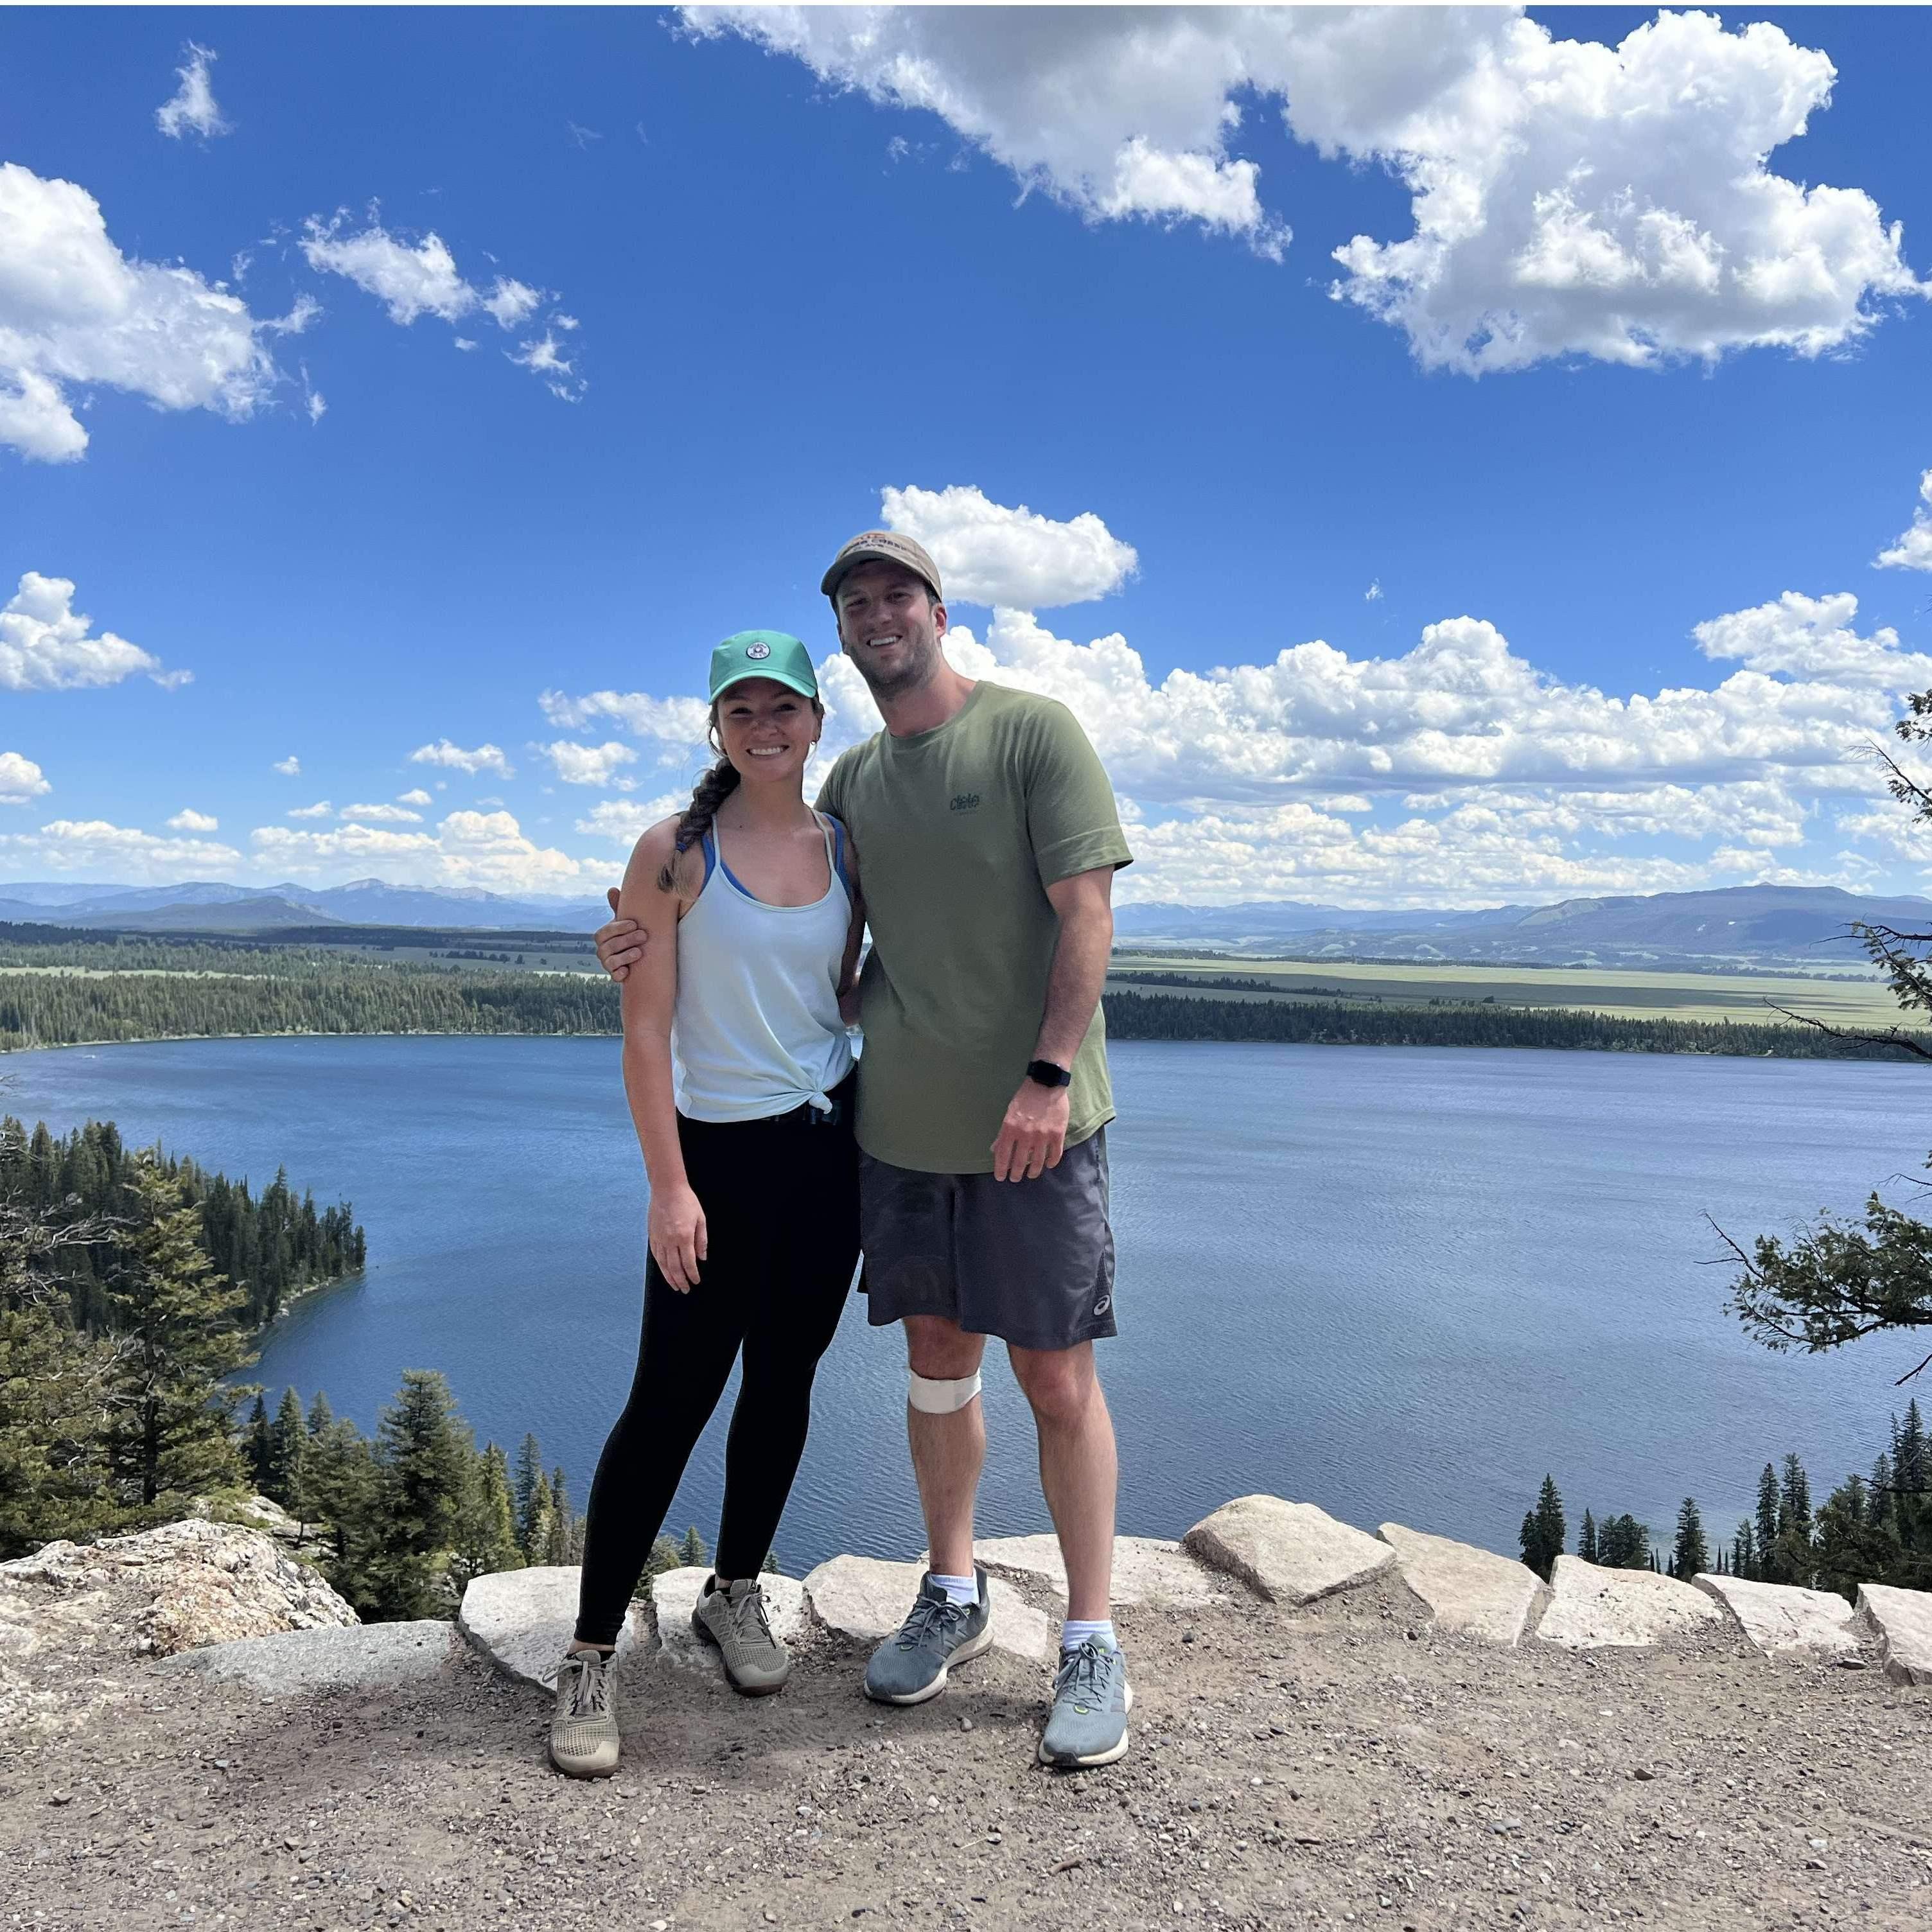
{"type": "Point", "coordinates": [1081, 1673]}
{"type": "Point", "coordinates": [590, 1695]}
{"type": "Point", "coordinates": [927, 1613]}
{"type": "Point", "coordinates": [753, 1602]}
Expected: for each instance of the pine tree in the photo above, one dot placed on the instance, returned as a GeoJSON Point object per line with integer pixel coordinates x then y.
{"type": "Point", "coordinates": [1587, 1546]}
{"type": "Point", "coordinates": [53, 1383]}
{"type": "Point", "coordinates": [176, 1337]}
{"type": "Point", "coordinates": [424, 1450]}
{"type": "Point", "coordinates": [1767, 1526]}
{"type": "Point", "coordinates": [346, 1493]}
{"type": "Point", "coordinates": [485, 1537]}
{"type": "Point", "coordinates": [288, 1456]}
{"type": "Point", "coordinates": [321, 1416]}
{"type": "Point", "coordinates": [1624, 1542]}
{"type": "Point", "coordinates": [564, 1543]}
{"type": "Point", "coordinates": [531, 1499]}
{"type": "Point", "coordinates": [257, 1448]}
{"type": "Point", "coordinates": [1744, 1552]}
{"type": "Point", "coordinates": [1794, 1555]}
{"type": "Point", "coordinates": [1544, 1530]}
{"type": "Point", "coordinates": [692, 1551]}
{"type": "Point", "coordinates": [1689, 1556]}
{"type": "Point", "coordinates": [1855, 1542]}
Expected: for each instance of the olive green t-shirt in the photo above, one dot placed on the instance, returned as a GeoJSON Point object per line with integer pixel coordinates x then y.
{"type": "Point", "coordinates": [959, 832]}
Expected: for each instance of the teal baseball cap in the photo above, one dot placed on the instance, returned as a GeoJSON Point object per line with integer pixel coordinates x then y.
{"type": "Point", "coordinates": [772, 654]}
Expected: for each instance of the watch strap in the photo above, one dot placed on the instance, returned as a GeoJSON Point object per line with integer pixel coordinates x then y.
{"type": "Point", "coordinates": [1049, 1074]}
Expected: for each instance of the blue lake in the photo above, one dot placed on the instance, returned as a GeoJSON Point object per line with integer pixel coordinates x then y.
{"type": "Point", "coordinates": [1401, 1283]}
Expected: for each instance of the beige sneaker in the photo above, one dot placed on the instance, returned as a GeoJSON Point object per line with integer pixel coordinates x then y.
{"type": "Point", "coordinates": [583, 1728]}
{"type": "Point", "coordinates": [735, 1621]}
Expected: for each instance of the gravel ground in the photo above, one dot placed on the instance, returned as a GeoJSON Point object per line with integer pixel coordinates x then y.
{"type": "Point", "coordinates": [1344, 1765]}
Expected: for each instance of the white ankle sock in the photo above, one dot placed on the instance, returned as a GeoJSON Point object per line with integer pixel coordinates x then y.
{"type": "Point", "coordinates": [1073, 1633]}
{"type": "Point", "coordinates": [959, 1589]}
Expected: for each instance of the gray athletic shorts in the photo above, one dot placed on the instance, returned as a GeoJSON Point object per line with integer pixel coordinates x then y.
{"type": "Point", "coordinates": [1031, 1261]}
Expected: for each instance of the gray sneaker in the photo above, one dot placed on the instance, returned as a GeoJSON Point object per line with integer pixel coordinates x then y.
{"type": "Point", "coordinates": [1091, 1698]}
{"type": "Point", "coordinates": [583, 1728]}
{"type": "Point", "coordinates": [911, 1666]}
{"type": "Point", "coordinates": [735, 1621]}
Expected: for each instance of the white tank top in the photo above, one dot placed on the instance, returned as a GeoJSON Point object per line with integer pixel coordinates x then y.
{"type": "Point", "coordinates": [755, 1030]}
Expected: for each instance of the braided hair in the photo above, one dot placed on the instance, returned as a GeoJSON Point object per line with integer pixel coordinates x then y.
{"type": "Point", "coordinates": [707, 795]}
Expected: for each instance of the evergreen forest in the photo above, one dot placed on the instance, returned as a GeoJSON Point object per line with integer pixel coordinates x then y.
{"type": "Point", "coordinates": [268, 1246]}
{"type": "Point", "coordinates": [1874, 1529]}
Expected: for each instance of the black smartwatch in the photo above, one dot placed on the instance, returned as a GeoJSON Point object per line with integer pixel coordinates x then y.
{"type": "Point", "coordinates": [1048, 1074]}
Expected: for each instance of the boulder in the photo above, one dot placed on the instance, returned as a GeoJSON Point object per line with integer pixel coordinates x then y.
{"type": "Point", "coordinates": [1147, 1570]}
{"type": "Point", "coordinates": [1901, 1621]}
{"type": "Point", "coordinates": [1780, 1619]}
{"type": "Point", "coordinates": [863, 1600]}
{"type": "Point", "coordinates": [367, 1657]}
{"type": "Point", "coordinates": [1591, 1608]}
{"type": "Point", "coordinates": [1287, 1553]}
{"type": "Point", "coordinates": [161, 1590]}
{"type": "Point", "coordinates": [1469, 1590]}
{"type": "Point", "coordinates": [674, 1596]}
{"type": "Point", "coordinates": [521, 1620]}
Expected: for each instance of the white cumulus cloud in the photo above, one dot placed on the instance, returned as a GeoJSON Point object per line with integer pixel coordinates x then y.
{"type": "Point", "coordinates": [676, 721]}
{"type": "Point", "coordinates": [20, 779]}
{"type": "Point", "coordinates": [290, 767]}
{"type": "Point", "coordinates": [95, 845]}
{"type": "Point", "coordinates": [415, 279]}
{"type": "Point", "coordinates": [488, 850]}
{"type": "Point", "coordinates": [416, 796]}
{"type": "Point", "coordinates": [379, 814]}
{"type": "Point", "coordinates": [192, 109]}
{"type": "Point", "coordinates": [322, 808]}
{"type": "Point", "coordinates": [76, 313]}
{"type": "Point", "coordinates": [589, 764]}
{"type": "Point", "coordinates": [1913, 550]}
{"type": "Point", "coordinates": [988, 553]}
{"type": "Point", "coordinates": [484, 758]}
{"type": "Point", "coordinates": [624, 821]}
{"type": "Point", "coordinates": [1568, 197]}
{"type": "Point", "coordinates": [47, 645]}
{"type": "Point", "coordinates": [189, 819]}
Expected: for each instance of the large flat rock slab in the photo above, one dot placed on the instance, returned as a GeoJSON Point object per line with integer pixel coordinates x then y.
{"type": "Point", "coordinates": [1469, 1590]}
{"type": "Point", "coordinates": [674, 1594]}
{"type": "Point", "coordinates": [1782, 1620]}
{"type": "Point", "coordinates": [863, 1600]}
{"type": "Point", "coordinates": [1287, 1553]}
{"type": "Point", "coordinates": [1901, 1621]}
{"type": "Point", "coordinates": [521, 1620]}
{"type": "Point", "coordinates": [364, 1657]}
{"type": "Point", "coordinates": [1148, 1571]}
{"type": "Point", "coordinates": [1591, 1608]}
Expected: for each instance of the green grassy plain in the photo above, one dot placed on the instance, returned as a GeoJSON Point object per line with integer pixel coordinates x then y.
{"type": "Point", "coordinates": [1847, 1001]}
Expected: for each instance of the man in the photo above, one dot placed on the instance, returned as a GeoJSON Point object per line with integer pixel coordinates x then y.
{"type": "Point", "coordinates": [988, 838]}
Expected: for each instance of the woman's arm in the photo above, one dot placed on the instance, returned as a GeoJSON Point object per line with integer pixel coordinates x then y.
{"type": "Point", "coordinates": [649, 996]}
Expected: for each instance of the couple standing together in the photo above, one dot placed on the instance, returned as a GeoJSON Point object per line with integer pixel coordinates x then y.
{"type": "Point", "coordinates": [978, 836]}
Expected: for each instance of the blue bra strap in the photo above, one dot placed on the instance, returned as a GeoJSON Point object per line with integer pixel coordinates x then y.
{"type": "Point", "coordinates": [710, 858]}
{"type": "Point", "coordinates": [838, 855]}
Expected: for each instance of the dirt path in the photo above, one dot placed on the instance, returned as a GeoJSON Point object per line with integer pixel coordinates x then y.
{"type": "Point", "coordinates": [1342, 1765]}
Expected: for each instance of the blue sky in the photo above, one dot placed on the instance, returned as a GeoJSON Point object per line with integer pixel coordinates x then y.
{"type": "Point", "coordinates": [1481, 482]}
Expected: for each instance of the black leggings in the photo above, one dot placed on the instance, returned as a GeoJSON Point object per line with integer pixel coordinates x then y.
{"type": "Point", "coordinates": [781, 1201]}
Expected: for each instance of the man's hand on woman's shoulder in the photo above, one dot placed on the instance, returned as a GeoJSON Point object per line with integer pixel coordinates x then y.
{"type": "Point", "coordinates": [620, 942]}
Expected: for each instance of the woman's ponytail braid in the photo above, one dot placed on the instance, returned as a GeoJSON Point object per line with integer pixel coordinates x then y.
{"type": "Point", "coordinates": [710, 792]}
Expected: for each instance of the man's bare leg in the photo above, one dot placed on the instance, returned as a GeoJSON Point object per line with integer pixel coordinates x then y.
{"type": "Point", "coordinates": [1078, 1469]}
{"type": "Point", "coordinates": [950, 1450]}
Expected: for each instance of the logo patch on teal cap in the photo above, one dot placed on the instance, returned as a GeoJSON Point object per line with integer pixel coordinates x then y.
{"type": "Point", "coordinates": [776, 655]}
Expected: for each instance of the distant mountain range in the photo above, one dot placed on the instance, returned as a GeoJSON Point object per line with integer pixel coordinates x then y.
{"type": "Point", "coordinates": [1795, 926]}
{"type": "Point", "coordinates": [1785, 924]}
{"type": "Point", "coordinates": [211, 907]}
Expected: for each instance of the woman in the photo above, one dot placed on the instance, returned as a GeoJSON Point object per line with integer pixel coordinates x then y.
{"type": "Point", "coordinates": [740, 1075]}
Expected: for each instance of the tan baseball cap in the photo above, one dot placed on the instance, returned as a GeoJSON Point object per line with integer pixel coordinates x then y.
{"type": "Point", "coordinates": [881, 546]}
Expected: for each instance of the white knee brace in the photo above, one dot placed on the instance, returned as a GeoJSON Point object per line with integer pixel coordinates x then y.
{"type": "Point", "coordinates": [942, 1398]}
